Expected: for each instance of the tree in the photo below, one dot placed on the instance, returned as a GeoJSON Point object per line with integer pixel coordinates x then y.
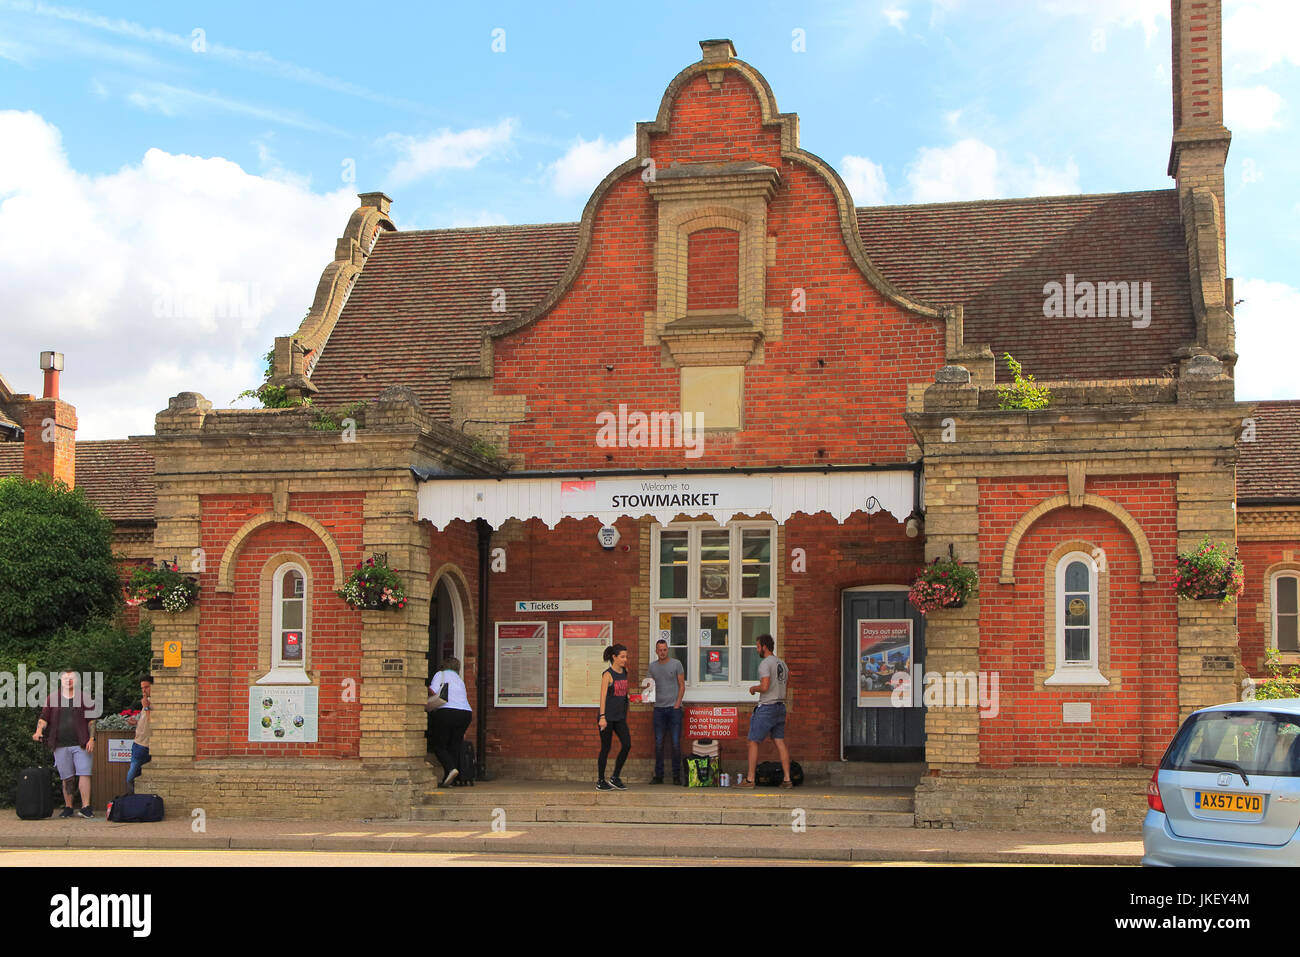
{"type": "Point", "coordinates": [56, 563]}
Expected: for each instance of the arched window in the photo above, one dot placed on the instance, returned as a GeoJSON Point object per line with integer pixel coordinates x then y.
{"type": "Point", "coordinates": [290, 628]}
{"type": "Point", "coordinates": [1286, 611]}
{"type": "Point", "coordinates": [1078, 635]}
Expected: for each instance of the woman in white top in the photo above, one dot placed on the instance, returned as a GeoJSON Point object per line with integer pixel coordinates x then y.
{"type": "Point", "coordinates": [451, 720]}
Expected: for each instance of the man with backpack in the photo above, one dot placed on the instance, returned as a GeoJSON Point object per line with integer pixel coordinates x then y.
{"type": "Point", "coordinates": [769, 717]}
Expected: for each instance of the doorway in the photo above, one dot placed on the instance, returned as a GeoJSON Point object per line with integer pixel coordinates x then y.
{"type": "Point", "coordinates": [882, 635]}
{"type": "Point", "coordinates": [446, 637]}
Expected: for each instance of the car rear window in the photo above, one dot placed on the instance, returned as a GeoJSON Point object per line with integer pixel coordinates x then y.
{"type": "Point", "coordinates": [1260, 742]}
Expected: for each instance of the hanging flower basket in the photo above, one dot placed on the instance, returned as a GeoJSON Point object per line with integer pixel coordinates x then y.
{"type": "Point", "coordinates": [161, 587]}
{"type": "Point", "coordinates": [372, 585]}
{"type": "Point", "coordinates": [945, 584]}
{"type": "Point", "coordinates": [1209, 573]}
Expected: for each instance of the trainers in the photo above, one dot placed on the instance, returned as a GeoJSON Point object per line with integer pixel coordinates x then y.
{"type": "Point", "coordinates": [657, 779]}
{"type": "Point", "coordinates": [451, 776]}
{"type": "Point", "coordinates": [618, 783]}
{"type": "Point", "coordinates": [67, 812]}
{"type": "Point", "coordinates": [746, 784]}
{"type": "Point", "coordinates": [603, 785]}
{"type": "Point", "coordinates": [87, 813]}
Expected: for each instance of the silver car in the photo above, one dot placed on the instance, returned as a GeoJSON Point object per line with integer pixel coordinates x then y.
{"type": "Point", "coordinates": [1227, 791]}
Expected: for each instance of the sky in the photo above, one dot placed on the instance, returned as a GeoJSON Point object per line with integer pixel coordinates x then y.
{"type": "Point", "coordinates": [173, 177]}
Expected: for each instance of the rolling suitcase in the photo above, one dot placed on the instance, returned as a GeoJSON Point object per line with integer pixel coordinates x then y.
{"type": "Point", "coordinates": [34, 799]}
{"type": "Point", "coordinates": [466, 765]}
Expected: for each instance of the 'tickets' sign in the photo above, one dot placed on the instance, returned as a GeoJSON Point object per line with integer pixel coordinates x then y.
{"type": "Point", "coordinates": [712, 723]}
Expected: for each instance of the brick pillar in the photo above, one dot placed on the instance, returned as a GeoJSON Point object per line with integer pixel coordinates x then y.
{"type": "Point", "coordinates": [952, 635]}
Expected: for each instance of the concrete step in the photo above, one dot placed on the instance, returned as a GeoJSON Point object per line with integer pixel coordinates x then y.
{"type": "Point", "coordinates": [483, 815]}
{"type": "Point", "coordinates": [844, 799]}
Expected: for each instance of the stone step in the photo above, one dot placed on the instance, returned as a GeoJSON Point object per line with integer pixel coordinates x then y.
{"type": "Point", "coordinates": [641, 814]}
{"type": "Point", "coordinates": [858, 799]}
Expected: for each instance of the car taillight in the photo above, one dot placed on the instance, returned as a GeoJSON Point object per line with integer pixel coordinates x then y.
{"type": "Point", "coordinates": [1153, 793]}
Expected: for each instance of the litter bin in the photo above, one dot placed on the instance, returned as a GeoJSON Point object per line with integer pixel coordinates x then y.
{"type": "Point", "coordinates": [112, 760]}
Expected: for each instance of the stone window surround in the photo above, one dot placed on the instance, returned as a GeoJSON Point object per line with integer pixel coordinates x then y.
{"type": "Point", "coordinates": [269, 670]}
{"type": "Point", "coordinates": [1264, 611]}
{"type": "Point", "coordinates": [1102, 677]}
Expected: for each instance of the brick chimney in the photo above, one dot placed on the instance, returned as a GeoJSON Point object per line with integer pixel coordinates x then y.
{"type": "Point", "coordinates": [1197, 157]}
{"type": "Point", "coordinates": [49, 429]}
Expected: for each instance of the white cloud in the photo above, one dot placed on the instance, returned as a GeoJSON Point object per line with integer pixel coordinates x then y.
{"type": "Point", "coordinates": [896, 17]}
{"type": "Point", "coordinates": [1150, 15]}
{"type": "Point", "coordinates": [971, 169]}
{"type": "Point", "coordinates": [1252, 108]}
{"type": "Point", "coordinates": [173, 100]}
{"type": "Point", "coordinates": [445, 149]}
{"type": "Point", "coordinates": [580, 170]}
{"type": "Point", "coordinates": [173, 274]}
{"type": "Point", "coordinates": [1259, 34]}
{"type": "Point", "coordinates": [1267, 339]}
{"type": "Point", "coordinates": [865, 180]}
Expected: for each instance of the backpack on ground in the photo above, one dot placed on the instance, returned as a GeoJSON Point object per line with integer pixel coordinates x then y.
{"type": "Point", "coordinates": [135, 808]}
{"type": "Point", "coordinates": [33, 798]}
{"type": "Point", "coordinates": [769, 774]}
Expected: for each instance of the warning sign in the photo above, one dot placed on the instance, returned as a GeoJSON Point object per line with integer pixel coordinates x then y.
{"type": "Point", "coordinates": [712, 723]}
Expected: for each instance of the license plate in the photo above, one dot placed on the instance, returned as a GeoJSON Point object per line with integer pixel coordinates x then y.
{"type": "Point", "coordinates": [1237, 803]}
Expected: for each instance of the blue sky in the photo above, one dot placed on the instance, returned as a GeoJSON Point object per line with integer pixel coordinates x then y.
{"type": "Point", "coordinates": [172, 179]}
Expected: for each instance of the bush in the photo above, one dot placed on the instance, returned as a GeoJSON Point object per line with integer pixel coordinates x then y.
{"type": "Point", "coordinates": [122, 656]}
{"type": "Point", "coordinates": [56, 562]}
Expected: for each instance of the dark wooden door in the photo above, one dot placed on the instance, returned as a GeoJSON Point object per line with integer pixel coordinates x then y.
{"type": "Point", "coordinates": [879, 733]}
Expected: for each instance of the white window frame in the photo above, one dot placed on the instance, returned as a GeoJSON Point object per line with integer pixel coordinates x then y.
{"type": "Point", "coordinates": [735, 689]}
{"type": "Point", "coordinates": [1077, 672]}
{"type": "Point", "coordinates": [1272, 586]}
{"type": "Point", "coordinates": [288, 672]}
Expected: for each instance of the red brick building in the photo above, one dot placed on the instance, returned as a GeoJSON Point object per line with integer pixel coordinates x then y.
{"type": "Point", "coordinates": [507, 392]}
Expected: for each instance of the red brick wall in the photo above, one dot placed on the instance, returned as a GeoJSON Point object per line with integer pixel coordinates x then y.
{"type": "Point", "coordinates": [567, 562]}
{"type": "Point", "coordinates": [835, 384]}
{"type": "Point", "coordinates": [713, 269]}
{"type": "Point", "coordinates": [229, 629]}
{"type": "Point", "coordinates": [1254, 635]}
{"type": "Point", "coordinates": [1130, 726]}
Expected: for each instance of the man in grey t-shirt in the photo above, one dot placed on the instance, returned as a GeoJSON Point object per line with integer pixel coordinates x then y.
{"type": "Point", "coordinates": [670, 686]}
{"type": "Point", "coordinates": [769, 717]}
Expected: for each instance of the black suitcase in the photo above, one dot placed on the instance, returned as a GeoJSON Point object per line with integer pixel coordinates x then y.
{"type": "Point", "coordinates": [134, 808]}
{"type": "Point", "coordinates": [466, 765]}
{"type": "Point", "coordinates": [34, 798]}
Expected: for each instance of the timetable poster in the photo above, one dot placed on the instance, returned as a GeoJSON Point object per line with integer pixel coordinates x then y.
{"type": "Point", "coordinates": [582, 661]}
{"type": "Point", "coordinates": [520, 673]}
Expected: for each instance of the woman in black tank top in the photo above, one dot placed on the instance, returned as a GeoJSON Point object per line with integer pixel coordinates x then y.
{"type": "Point", "coordinates": [613, 717]}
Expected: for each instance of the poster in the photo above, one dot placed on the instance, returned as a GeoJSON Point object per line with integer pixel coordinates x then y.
{"type": "Point", "coordinates": [712, 723]}
{"type": "Point", "coordinates": [520, 673]}
{"type": "Point", "coordinates": [884, 650]}
{"type": "Point", "coordinates": [282, 713]}
{"type": "Point", "coordinates": [119, 750]}
{"type": "Point", "coordinates": [582, 662]}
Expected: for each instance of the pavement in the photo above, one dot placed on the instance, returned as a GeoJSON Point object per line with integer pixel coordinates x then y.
{"type": "Point", "coordinates": [696, 842]}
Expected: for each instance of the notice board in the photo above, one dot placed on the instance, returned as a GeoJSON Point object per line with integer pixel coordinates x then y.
{"type": "Point", "coordinates": [519, 676]}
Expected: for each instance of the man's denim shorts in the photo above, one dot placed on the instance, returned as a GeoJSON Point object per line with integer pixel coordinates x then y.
{"type": "Point", "coordinates": [767, 719]}
{"type": "Point", "coordinates": [72, 761]}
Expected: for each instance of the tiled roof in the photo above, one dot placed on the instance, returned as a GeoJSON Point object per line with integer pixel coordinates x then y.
{"type": "Point", "coordinates": [995, 256]}
{"type": "Point", "coordinates": [422, 302]}
{"type": "Point", "coordinates": [1269, 467]}
{"type": "Point", "coordinates": [117, 475]}
{"type": "Point", "coordinates": [424, 298]}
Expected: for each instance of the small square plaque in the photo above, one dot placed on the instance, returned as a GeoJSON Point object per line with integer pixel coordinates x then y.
{"type": "Point", "coordinates": [1077, 712]}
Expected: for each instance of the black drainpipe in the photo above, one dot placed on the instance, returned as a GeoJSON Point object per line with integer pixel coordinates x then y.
{"type": "Point", "coordinates": [484, 541]}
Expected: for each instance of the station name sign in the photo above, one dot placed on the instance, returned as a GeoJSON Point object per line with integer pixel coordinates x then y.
{"type": "Point", "coordinates": [736, 493]}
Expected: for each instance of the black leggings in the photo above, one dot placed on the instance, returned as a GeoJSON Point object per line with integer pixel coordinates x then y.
{"type": "Point", "coordinates": [606, 739]}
